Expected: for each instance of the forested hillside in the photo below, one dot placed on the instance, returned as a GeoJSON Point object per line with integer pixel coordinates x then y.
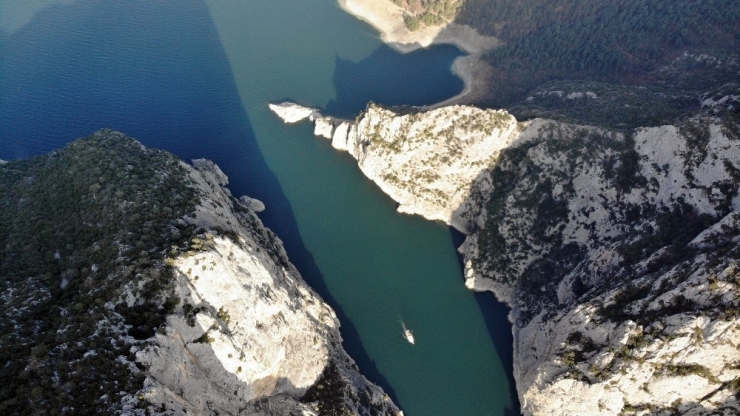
{"type": "Point", "coordinates": [634, 43]}
{"type": "Point", "coordinates": [79, 228]}
{"type": "Point", "coordinates": [645, 62]}
{"type": "Point", "coordinates": [642, 62]}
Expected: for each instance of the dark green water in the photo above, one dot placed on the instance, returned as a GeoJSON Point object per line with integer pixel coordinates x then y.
{"type": "Point", "coordinates": [195, 78]}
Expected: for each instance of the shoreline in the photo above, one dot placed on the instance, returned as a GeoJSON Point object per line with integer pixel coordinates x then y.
{"type": "Point", "coordinates": [387, 18]}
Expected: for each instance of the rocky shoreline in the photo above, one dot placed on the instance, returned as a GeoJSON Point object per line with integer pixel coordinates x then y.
{"type": "Point", "coordinates": [615, 251]}
{"type": "Point", "coordinates": [387, 18]}
{"type": "Point", "coordinates": [170, 297]}
{"type": "Point", "coordinates": [427, 164]}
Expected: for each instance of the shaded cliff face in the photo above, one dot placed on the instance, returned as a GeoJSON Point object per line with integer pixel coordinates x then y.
{"type": "Point", "coordinates": [616, 250]}
{"type": "Point", "coordinates": [142, 285]}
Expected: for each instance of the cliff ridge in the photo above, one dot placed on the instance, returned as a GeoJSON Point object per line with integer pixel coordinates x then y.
{"type": "Point", "coordinates": [150, 289]}
{"type": "Point", "coordinates": [615, 249]}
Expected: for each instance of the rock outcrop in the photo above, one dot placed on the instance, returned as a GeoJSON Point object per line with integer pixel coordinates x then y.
{"type": "Point", "coordinates": [429, 163]}
{"type": "Point", "coordinates": [250, 329]}
{"type": "Point", "coordinates": [150, 289]}
{"type": "Point", "coordinates": [293, 113]}
{"type": "Point", "coordinates": [388, 19]}
{"type": "Point", "coordinates": [617, 251]}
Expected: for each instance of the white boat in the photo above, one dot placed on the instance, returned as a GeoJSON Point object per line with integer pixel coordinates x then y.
{"type": "Point", "coordinates": [407, 333]}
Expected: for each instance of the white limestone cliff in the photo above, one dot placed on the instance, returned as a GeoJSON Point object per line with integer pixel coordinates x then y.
{"type": "Point", "coordinates": [292, 113]}
{"type": "Point", "coordinates": [617, 253]}
{"type": "Point", "coordinates": [249, 336]}
{"type": "Point", "coordinates": [427, 163]}
{"type": "Point", "coordinates": [639, 321]}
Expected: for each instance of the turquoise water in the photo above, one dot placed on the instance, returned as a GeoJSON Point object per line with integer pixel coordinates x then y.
{"type": "Point", "coordinates": [195, 78]}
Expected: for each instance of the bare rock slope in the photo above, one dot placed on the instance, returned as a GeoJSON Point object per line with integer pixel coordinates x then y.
{"type": "Point", "coordinates": [617, 254]}
{"type": "Point", "coordinates": [616, 251]}
{"type": "Point", "coordinates": [251, 334]}
{"type": "Point", "coordinates": [150, 289]}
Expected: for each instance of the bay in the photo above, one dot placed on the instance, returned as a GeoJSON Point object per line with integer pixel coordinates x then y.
{"type": "Point", "coordinates": [195, 78]}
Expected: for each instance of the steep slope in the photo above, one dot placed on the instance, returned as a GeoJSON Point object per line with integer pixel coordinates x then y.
{"type": "Point", "coordinates": [616, 250]}
{"type": "Point", "coordinates": [617, 254]}
{"type": "Point", "coordinates": [622, 51]}
{"type": "Point", "coordinates": [137, 284]}
{"type": "Point", "coordinates": [427, 162]}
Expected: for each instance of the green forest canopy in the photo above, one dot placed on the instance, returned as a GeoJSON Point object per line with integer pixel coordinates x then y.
{"type": "Point", "coordinates": [615, 43]}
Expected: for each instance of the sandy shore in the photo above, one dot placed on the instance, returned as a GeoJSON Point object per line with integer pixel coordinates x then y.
{"type": "Point", "coordinates": [387, 18]}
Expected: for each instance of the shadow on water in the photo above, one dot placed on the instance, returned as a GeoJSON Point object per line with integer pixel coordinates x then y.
{"type": "Point", "coordinates": [282, 222]}
{"type": "Point", "coordinates": [499, 328]}
{"type": "Point", "coordinates": [156, 71]}
{"type": "Point", "coordinates": [417, 79]}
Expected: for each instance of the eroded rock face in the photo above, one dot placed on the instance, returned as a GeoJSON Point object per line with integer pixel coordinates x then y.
{"type": "Point", "coordinates": [617, 251]}
{"type": "Point", "coordinates": [249, 336]}
{"type": "Point", "coordinates": [618, 257]}
{"type": "Point", "coordinates": [427, 162]}
{"type": "Point", "coordinates": [157, 292]}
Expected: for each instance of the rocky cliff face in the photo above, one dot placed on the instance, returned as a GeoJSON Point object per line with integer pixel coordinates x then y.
{"type": "Point", "coordinates": [617, 251]}
{"type": "Point", "coordinates": [429, 163]}
{"type": "Point", "coordinates": [157, 292]}
{"type": "Point", "coordinates": [617, 254]}
{"type": "Point", "coordinates": [251, 335]}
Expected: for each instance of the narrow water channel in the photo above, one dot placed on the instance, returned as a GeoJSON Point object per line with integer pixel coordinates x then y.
{"type": "Point", "coordinates": [195, 78]}
{"type": "Point", "coordinates": [379, 267]}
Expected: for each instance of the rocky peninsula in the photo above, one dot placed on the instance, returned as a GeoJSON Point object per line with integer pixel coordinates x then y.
{"type": "Point", "coordinates": [427, 162]}
{"type": "Point", "coordinates": [616, 250]}
{"type": "Point", "coordinates": [152, 290]}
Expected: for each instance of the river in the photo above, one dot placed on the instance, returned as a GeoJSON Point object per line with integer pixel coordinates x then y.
{"type": "Point", "coordinates": [195, 78]}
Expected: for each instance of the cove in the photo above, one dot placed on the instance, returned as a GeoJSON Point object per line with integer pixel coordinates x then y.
{"type": "Point", "coordinates": [195, 78]}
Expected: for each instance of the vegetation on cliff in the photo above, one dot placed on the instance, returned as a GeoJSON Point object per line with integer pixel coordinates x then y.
{"type": "Point", "coordinates": [79, 228]}
{"type": "Point", "coordinates": [420, 13]}
{"type": "Point", "coordinates": [620, 64]}
{"type": "Point", "coordinates": [124, 272]}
